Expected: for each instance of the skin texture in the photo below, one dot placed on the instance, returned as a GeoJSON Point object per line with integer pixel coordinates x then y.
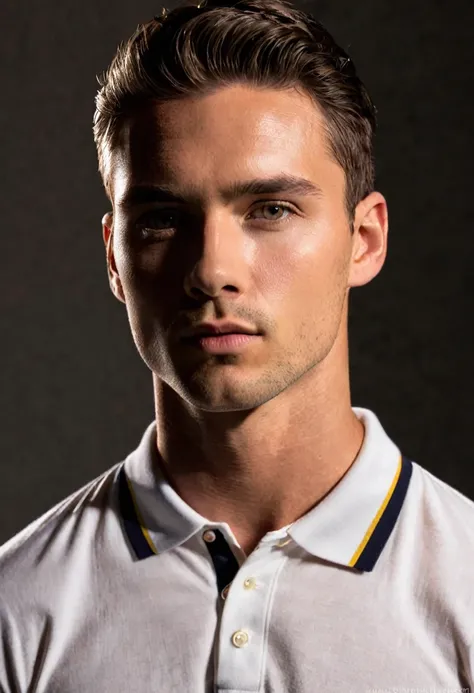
{"type": "Point", "coordinates": [256, 438]}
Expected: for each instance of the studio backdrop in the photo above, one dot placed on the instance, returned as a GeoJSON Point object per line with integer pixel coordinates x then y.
{"type": "Point", "coordinates": [75, 395]}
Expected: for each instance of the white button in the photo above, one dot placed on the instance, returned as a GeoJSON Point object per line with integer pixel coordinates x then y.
{"type": "Point", "coordinates": [225, 591]}
{"type": "Point", "coordinates": [240, 638]}
{"type": "Point", "coordinates": [284, 542]}
{"type": "Point", "coordinates": [209, 536]}
{"type": "Point", "coordinates": [250, 583]}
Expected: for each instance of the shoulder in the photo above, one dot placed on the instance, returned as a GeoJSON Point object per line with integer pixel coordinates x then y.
{"type": "Point", "coordinates": [46, 544]}
{"type": "Point", "coordinates": [447, 513]}
{"type": "Point", "coordinates": [441, 518]}
{"type": "Point", "coordinates": [46, 572]}
{"type": "Point", "coordinates": [436, 537]}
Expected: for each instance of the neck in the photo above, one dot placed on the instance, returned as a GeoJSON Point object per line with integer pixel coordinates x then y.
{"type": "Point", "coordinates": [261, 469]}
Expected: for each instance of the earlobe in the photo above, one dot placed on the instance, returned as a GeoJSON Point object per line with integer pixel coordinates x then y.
{"type": "Point", "coordinates": [116, 287]}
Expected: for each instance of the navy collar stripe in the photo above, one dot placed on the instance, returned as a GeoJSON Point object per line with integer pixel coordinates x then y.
{"type": "Point", "coordinates": [143, 546]}
{"type": "Point", "coordinates": [131, 520]}
{"type": "Point", "coordinates": [386, 523]}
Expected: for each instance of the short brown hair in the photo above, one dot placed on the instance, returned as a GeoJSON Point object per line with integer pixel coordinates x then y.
{"type": "Point", "coordinates": [196, 49]}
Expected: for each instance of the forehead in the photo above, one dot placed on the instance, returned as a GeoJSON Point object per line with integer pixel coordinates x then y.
{"type": "Point", "coordinates": [236, 132]}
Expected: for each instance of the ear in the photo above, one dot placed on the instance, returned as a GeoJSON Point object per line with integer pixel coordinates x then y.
{"type": "Point", "coordinates": [108, 236]}
{"type": "Point", "coordinates": [369, 242]}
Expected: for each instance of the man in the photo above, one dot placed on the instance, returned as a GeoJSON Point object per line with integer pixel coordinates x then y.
{"type": "Point", "coordinates": [265, 535]}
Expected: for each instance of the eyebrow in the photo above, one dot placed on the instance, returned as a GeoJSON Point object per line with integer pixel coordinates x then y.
{"type": "Point", "coordinates": [282, 183]}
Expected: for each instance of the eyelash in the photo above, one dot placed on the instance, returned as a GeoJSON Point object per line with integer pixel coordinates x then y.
{"type": "Point", "coordinates": [164, 232]}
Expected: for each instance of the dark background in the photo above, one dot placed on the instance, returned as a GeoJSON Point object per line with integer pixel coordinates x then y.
{"type": "Point", "coordinates": [75, 395]}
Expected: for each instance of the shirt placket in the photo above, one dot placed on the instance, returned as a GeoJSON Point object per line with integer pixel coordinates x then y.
{"type": "Point", "coordinates": [246, 595]}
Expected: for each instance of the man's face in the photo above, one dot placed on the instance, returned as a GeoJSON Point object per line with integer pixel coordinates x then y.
{"type": "Point", "coordinates": [281, 270]}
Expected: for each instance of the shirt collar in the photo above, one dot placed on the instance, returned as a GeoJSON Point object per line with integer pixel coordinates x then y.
{"type": "Point", "coordinates": [350, 526]}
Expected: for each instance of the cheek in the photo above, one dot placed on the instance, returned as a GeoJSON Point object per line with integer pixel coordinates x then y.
{"type": "Point", "coordinates": [303, 284]}
{"type": "Point", "coordinates": [147, 275]}
{"type": "Point", "coordinates": [297, 271]}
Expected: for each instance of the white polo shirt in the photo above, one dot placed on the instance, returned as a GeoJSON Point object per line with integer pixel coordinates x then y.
{"type": "Point", "coordinates": [124, 588]}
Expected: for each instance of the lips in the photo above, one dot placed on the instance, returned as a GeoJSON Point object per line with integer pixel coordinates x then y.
{"type": "Point", "coordinates": [218, 334]}
{"type": "Point", "coordinates": [216, 329]}
{"type": "Point", "coordinates": [228, 343]}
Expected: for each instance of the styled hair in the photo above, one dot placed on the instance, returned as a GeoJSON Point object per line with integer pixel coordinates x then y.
{"type": "Point", "coordinates": [197, 49]}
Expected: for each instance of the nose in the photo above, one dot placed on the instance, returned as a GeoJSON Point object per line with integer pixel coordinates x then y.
{"type": "Point", "coordinates": [223, 259]}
